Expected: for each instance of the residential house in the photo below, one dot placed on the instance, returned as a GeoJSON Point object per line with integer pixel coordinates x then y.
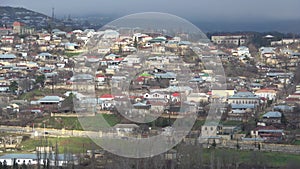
{"type": "Point", "coordinates": [284, 42]}
{"type": "Point", "coordinates": [110, 34]}
{"type": "Point", "coordinates": [243, 104]}
{"type": "Point", "coordinates": [158, 106]}
{"type": "Point", "coordinates": [142, 105]}
{"type": "Point", "coordinates": [210, 133]}
{"type": "Point", "coordinates": [222, 94]}
{"type": "Point", "coordinates": [131, 59]}
{"type": "Point", "coordinates": [21, 28]}
{"type": "Point", "coordinates": [267, 52]}
{"type": "Point", "coordinates": [125, 129]}
{"type": "Point", "coordinates": [7, 57]}
{"type": "Point", "coordinates": [32, 159]}
{"type": "Point", "coordinates": [155, 96]}
{"type": "Point", "coordinates": [7, 39]}
{"type": "Point", "coordinates": [272, 117]}
{"type": "Point", "coordinates": [45, 56]}
{"type": "Point", "coordinates": [283, 108]}
{"type": "Point", "coordinates": [268, 133]}
{"type": "Point", "coordinates": [50, 100]}
{"type": "Point", "coordinates": [229, 39]}
{"type": "Point", "coordinates": [269, 94]}
{"type": "Point", "coordinates": [244, 98]}
{"type": "Point", "coordinates": [198, 97]}
{"type": "Point", "coordinates": [241, 51]}
{"type": "Point", "coordinates": [4, 86]}
{"type": "Point", "coordinates": [71, 46]}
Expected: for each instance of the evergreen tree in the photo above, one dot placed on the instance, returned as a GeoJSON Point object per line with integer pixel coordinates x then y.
{"type": "Point", "coordinates": [40, 80]}
{"type": "Point", "coordinates": [120, 49]}
{"type": "Point", "coordinates": [24, 166]}
{"type": "Point", "coordinates": [214, 144]}
{"type": "Point", "coordinates": [5, 165]}
{"type": "Point", "coordinates": [13, 87]}
{"type": "Point", "coordinates": [135, 43]}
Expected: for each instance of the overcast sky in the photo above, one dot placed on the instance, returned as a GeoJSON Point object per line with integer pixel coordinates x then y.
{"type": "Point", "coordinates": [205, 10]}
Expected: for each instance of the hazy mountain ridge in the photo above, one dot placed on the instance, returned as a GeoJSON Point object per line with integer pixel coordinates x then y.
{"type": "Point", "coordinates": [31, 18]}
{"type": "Point", "coordinates": [10, 14]}
{"type": "Point", "coordinates": [18, 12]}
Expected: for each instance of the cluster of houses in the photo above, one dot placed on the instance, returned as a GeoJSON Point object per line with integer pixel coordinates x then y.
{"type": "Point", "coordinates": [260, 97]}
{"type": "Point", "coordinates": [44, 60]}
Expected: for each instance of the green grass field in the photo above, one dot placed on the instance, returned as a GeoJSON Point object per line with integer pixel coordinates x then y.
{"type": "Point", "coordinates": [73, 123]}
{"type": "Point", "coordinates": [297, 142]}
{"type": "Point", "coordinates": [69, 144]}
{"type": "Point", "coordinates": [273, 159]}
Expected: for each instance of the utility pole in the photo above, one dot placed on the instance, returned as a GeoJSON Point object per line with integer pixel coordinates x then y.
{"type": "Point", "coordinates": [53, 14]}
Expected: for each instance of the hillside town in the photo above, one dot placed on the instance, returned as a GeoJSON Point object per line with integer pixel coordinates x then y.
{"type": "Point", "coordinates": [43, 76]}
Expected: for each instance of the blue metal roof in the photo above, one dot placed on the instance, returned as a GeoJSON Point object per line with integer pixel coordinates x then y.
{"type": "Point", "coordinates": [168, 75]}
{"type": "Point", "coordinates": [50, 99]}
{"type": "Point", "coordinates": [242, 106]}
{"type": "Point", "coordinates": [32, 156]}
{"type": "Point", "coordinates": [244, 95]}
{"type": "Point", "coordinates": [252, 139]}
{"type": "Point", "coordinates": [283, 108]}
{"type": "Point", "coordinates": [272, 114]}
{"type": "Point", "coordinates": [7, 56]}
{"type": "Point", "coordinates": [271, 131]}
{"type": "Point", "coordinates": [45, 54]}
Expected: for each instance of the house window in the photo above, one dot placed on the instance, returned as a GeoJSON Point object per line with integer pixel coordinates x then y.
{"type": "Point", "coordinates": [205, 128]}
{"type": "Point", "coordinates": [211, 128]}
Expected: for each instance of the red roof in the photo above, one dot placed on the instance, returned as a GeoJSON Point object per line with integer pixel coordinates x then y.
{"type": "Point", "coordinates": [18, 24]}
{"type": "Point", "coordinates": [243, 90]}
{"type": "Point", "coordinates": [265, 128]}
{"type": "Point", "coordinates": [107, 96]}
{"type": "Point", "coordinates": [263, 98]}
{"type": "Point", "coordinates": [90, 57]}
{"type": "Point", "coordinates": [100, 75]}
{"type": "Point", "coordinates": [140, 79]}
{"type": "Point", "coordinates": [176, 94]}
{"type": "Point", "coordinates": [5, 29]}
{"type": "Point", "coordinates": [119, 59]}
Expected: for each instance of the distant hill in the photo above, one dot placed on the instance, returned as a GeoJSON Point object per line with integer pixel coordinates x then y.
{"type": "Point", "coordinates": [8, 15]}
{"type": "Point", "coordinates": [17, 12]}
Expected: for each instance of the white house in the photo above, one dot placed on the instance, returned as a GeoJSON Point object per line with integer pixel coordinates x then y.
{"type": "Point", "coordinates": [154, 95]}
{"type": "Point", "coordinates": [110, 34]}
{"type": "Point", "coordinates": [122, 129]}
{"type": "Point", "coordinates": [197, 97]}
{"type": "Point", "coordinates": [44, 56]}
{"type": "Point", "coordinates": [131, 59]}
{"type": "Point", "coordinates": [32, 159]}
{"type": "Point", "coordinates": [243, 51]}
{"type": "Point", "coordinates": [269, 94]}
